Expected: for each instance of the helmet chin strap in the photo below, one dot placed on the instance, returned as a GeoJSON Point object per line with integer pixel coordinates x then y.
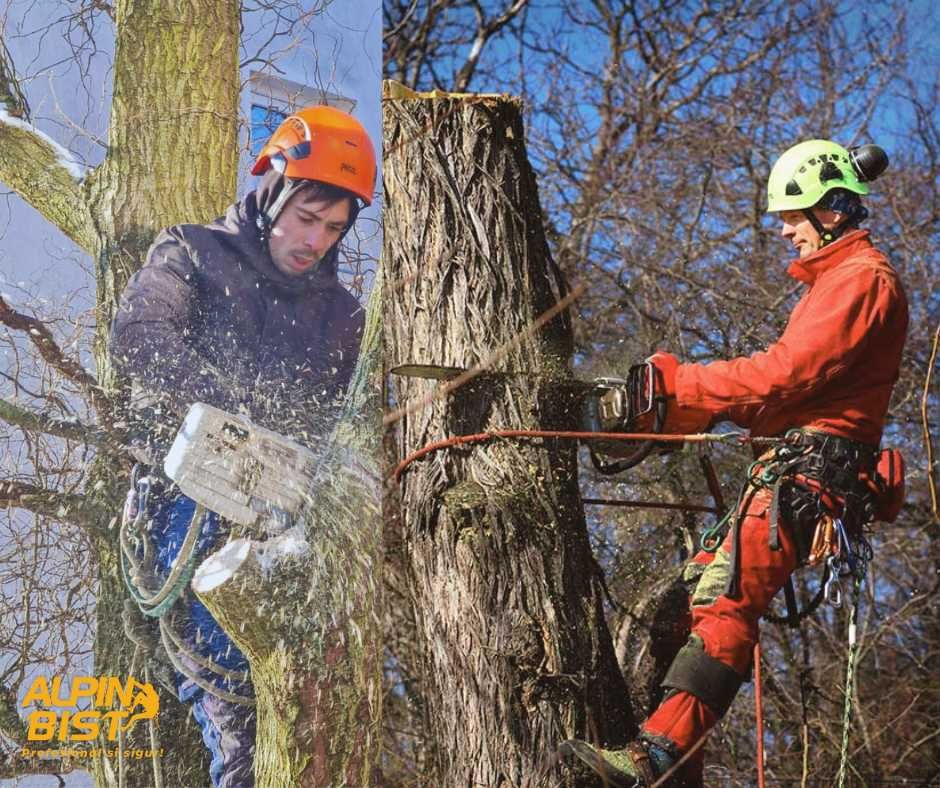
{"type": "Point", "coordinates": [826, 237]}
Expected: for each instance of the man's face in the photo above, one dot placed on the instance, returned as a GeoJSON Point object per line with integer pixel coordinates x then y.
{"type": "Point", "coordinates": [799, 231]}
{"type": "Point", "coordinates": [305, 231]}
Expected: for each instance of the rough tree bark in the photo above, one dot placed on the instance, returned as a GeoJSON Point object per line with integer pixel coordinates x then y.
{"type": "Point", "coordinates": [517, 655]}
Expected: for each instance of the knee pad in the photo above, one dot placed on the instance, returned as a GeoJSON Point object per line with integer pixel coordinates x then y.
{"type": "Point", "coordinates": [708, 679]}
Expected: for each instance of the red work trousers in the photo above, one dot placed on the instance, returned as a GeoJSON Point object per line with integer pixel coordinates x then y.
{"type": "Point", "coordinates": [727, 626]}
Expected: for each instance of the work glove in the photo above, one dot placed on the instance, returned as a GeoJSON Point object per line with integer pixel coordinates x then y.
{"type": "Point", "coordinates": [679, 420]}
{"type": "Point", "coordinates": [666, 366]}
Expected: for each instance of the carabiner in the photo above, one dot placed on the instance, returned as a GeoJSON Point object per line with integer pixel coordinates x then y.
{"type": "Point", "coordinates": [832, 591]}
{"type": "Point", "coordinates": [143, 491]}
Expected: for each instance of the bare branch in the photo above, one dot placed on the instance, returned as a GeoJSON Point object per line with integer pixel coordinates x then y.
{"type": "Point", "coordinates": [73, 507]}
{"type": "Point", "coordinates": [485, 31]}
{"type": "Point", "coordinates": [52, 354]}
{"type": "Point", "coordinates": [50, 425]}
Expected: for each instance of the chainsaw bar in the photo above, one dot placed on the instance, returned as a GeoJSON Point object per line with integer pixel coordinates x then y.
{"type": "Point", "coordinates": [438, 372]}
{"type": "Point", "coordinates": [608, 404]}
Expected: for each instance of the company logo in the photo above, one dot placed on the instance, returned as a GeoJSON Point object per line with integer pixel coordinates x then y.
{"type": "Point", "coordinates": [112, 707]}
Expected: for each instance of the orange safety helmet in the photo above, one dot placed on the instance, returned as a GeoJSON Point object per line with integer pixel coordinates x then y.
{"type": "Point", "coordinates": [324, 144]}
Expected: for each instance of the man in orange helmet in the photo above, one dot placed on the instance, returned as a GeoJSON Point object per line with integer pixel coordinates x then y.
{"type": "Point", "coordinates": [246, 314]}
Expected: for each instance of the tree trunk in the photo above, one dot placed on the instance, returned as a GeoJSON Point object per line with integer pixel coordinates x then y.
{"type": "Point", "coordinates": [309, 624]}
{"type": "Point", "coordinates": [517, 654]}
{"type": "Point", "coordinates": [172, 156]}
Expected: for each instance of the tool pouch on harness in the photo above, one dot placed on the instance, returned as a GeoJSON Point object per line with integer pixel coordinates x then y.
{"type": "Point", "coordinates": [887, 486]}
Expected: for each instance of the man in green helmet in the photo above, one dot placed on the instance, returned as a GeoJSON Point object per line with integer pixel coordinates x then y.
{"type": "Point", "coordinates": [825, 386]}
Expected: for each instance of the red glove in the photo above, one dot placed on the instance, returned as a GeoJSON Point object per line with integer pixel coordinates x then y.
{"type": "Point", "coordinates": [666, 366]}
{"type": "Point", "coordinates": [679, 420]}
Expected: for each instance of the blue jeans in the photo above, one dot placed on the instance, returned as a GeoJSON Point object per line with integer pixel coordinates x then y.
{"type": "Point", "coordinates": [229, 732]}
{"type": "Point", "coordinates": [228, 729]}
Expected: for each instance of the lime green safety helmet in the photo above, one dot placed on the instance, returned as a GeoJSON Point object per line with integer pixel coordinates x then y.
{"type": "Point", "coordinates": [807, 172]}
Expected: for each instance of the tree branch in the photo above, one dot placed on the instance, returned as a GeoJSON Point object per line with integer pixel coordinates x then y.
{"type": "Point", "coordinates": [44, 174]}
{"type": "Point", "coordinates": [69, 429]}
{"type": "Point", "coordinates": [10, 93]}
{"type": "Point", "coordinates": [61, 506]}
{"type": "Point", "coordinates": [485, 31]}
{"type": "Point", "coordinates": [50, 351]}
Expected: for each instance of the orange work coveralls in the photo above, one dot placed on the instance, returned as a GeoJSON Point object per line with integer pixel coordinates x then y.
{"type": "Point", "coordinates": [832, 370]}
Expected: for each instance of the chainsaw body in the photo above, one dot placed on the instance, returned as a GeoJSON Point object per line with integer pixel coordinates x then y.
{"type": "Point", "coordinates": [237, 469]}
{"type": "Point", "coordinates": [607, 404]}
{"type": "Point", "coordinates": [623, 405]}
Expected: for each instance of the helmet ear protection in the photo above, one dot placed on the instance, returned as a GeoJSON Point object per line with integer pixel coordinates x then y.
{"type": "Point", "coordinates": [868, 161]}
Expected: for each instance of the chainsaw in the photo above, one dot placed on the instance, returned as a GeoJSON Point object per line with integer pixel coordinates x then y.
{"type": "Point", "coordinates": [607, 404]}
{"type": "Point", "coordinates": [238, 469]}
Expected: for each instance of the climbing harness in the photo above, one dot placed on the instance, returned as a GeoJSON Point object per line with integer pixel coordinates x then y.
{"type": "Point", "coordinates": [809, 474]}
{"type": "Point", "coordinates": [156, 600]}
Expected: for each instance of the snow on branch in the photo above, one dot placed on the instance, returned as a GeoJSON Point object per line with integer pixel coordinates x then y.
{"type": "Point", "coordinates": [63, 155]}
{"type": "Point", "coordinates": [47, 176]}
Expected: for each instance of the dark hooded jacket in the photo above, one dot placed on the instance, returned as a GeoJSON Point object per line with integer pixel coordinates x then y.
{"type": "Point", "coordinates": [209, 318]}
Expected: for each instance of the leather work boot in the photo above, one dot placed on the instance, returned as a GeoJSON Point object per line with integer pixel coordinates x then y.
{"type": "Point", "coordinates": [637, 765]}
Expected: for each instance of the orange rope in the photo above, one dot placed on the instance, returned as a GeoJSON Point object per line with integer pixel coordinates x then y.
{"type": "Point", "coordinates": [759, 713]}
{"type": "Point", "coordinates": [484, 437]}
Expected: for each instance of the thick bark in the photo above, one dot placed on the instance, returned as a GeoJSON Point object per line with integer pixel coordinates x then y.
{"type": "Point", "coordinates": [517, 655]}
{"type": "Point", "coordinates": [172, 136]}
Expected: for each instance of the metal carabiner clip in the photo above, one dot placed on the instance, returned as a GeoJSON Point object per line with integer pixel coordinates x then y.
{"type": "Point", "coordinates": [143, 492]}
{"type": "Point", "coordinates": [832, 591]}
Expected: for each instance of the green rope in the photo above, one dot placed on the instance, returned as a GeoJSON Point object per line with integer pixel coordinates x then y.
{"type": "Point", "coordinates": [713, 537]}
{"type": "Point", "coordinates": [180, 574]}
{"type": "Point", "coordinates": [849, 684]}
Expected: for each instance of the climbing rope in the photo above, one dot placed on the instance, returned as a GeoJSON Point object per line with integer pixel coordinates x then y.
{"type": "Point", "coordinates": [738, 438]}
{"type": "Point", "coordinates": [759, 713]}
{"type": "Point", "coordinates": [158, 604]}
{"type": "Point", "coordinates": [849, 683]}
{"type": "Point", "coordinates": [134, 570]}
{"type": "Point", "coordinates": [155, 756]}
{"type": "Point", "coordinates": [199, 681]}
